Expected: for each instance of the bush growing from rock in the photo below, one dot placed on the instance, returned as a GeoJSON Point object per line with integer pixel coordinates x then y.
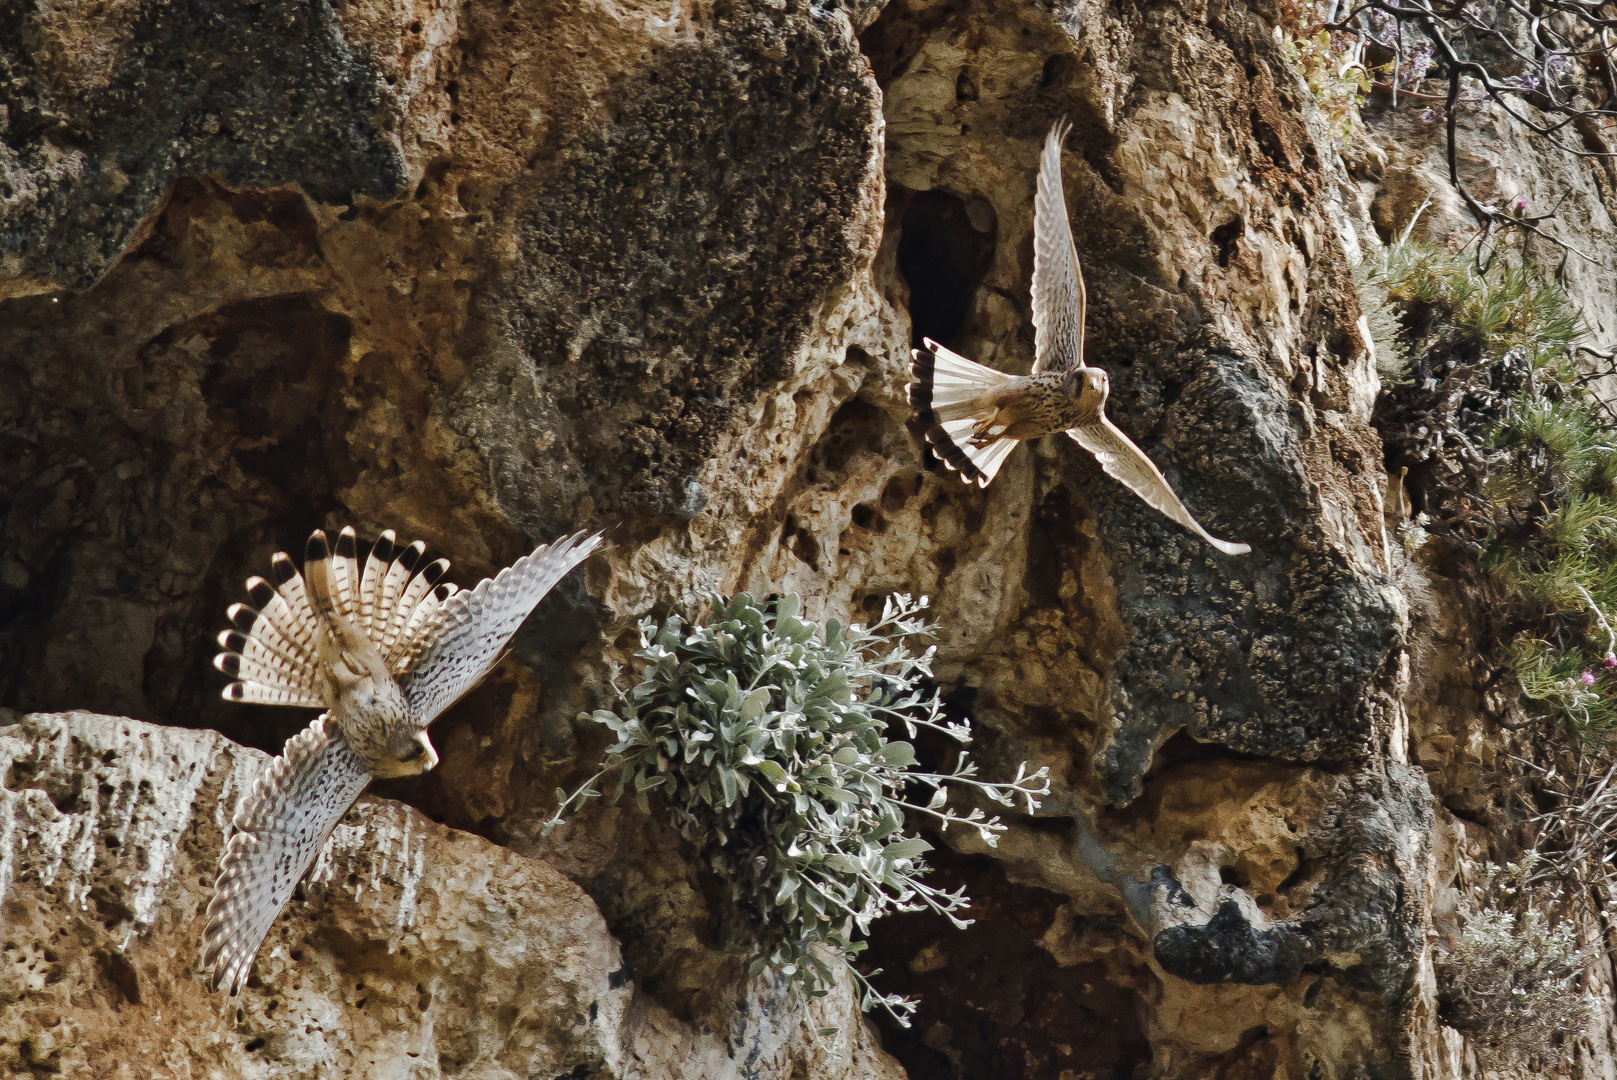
{"type": "Point", "coordinates": [1511, 972]}
{"type": "Point", "coordinates": [1511, 455]}
{"type": "Point", "coordinates": [766, 739]}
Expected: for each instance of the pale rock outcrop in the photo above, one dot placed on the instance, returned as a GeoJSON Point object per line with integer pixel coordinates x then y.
{"type": "Point", "coordinates": [411, 950]}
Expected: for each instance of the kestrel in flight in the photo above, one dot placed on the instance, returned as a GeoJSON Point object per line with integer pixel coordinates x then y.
{"type": "Point", "coordinates": [975, 415]}
{"type": "Point", "coordinates": [384, 652]}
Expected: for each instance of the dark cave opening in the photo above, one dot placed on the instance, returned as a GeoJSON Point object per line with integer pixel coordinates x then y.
{"type": "Point", "coordinates": [944, 250]}
{"type": "Point", "coordinates": [137, 541]}
{"type": "Point", "coordinates": [1008, 997]}
{"type": "Point", "coordinates": [1013, 996]}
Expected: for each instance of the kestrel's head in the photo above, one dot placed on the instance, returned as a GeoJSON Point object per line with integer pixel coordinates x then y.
{"type": "Point", "coordinates": [1088, 383]}
{"type": "Point", "coordinates": [413, 755]}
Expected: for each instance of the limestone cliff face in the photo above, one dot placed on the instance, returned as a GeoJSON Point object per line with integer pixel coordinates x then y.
{"type": "Point", "coordinates": [412, 949]}
{"type": "Point", "coordinates": [485, 273]}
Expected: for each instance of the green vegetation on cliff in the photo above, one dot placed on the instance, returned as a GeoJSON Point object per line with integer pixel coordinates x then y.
{"type": "Point", "coordinates": [766, 738]}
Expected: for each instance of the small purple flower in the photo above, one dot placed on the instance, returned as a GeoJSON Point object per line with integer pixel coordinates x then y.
{"type": "Point", "coordinates": [1588, 678]}
{"type": "Point", "coordinates": [1417, 65]}
{"type": "Point", "coordinates": [1430, 116]}
{"type": "Point", "coordinates": [1520, 206]}
{"type": "Point", "coordinates": [1526, 81]}
{"type": "Point", "coordinates": [1611, 660]}
{"type": "Point", "coordinates": [1384, 28]}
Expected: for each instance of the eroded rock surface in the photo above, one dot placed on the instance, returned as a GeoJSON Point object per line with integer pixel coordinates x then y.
{"type": "Point", "coordinates": [410, 950]}
{"type": "Point", "coordinates": [485, 273]}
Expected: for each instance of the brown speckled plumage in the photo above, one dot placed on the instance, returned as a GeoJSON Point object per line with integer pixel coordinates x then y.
{"type": "Point", "coordinates": [384, 651]}
{"type": "Point", "coordinates": [974, 416]}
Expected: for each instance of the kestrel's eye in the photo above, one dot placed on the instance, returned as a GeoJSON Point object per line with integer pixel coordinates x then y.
{"type": "Point", "coordinates": [414, 753]}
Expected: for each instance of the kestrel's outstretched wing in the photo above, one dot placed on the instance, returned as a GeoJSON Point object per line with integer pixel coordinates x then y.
{"type": "Point", "coordinates": [1058, 285]}
{"type": "Point", "coordinates": [473, 626]}
{"type": "Point", "coordinates": [1125, 462]}
{"type": "Point", "coordinates": [279, 829]}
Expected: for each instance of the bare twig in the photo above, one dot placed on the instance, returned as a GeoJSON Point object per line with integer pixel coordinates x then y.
{"type": "Point", "coordinates": [1568, 50]}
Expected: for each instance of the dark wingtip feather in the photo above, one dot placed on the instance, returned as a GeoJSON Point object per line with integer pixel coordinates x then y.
{"type": "Point", "coordinates": [316, 550]}
{"type": "Point", "coordinates": [243, 617]}
{"type": "Point", "coordinates": [229, 663]}
{"type": "Point", "coordinates": [383, 551]}
{"type": "Point", "coordinates": [346, 543]}
{"type": "Point", "coordinates": [260, 591]}
{"type": "Point", "coordinates": [441, 593]}
{"type": "Point", "coordinates": [281, 565]}
{"type": "Point", "coordinates": [412, 555]}
{"type": "Point", "coordinates": [233, 641]}
{"type": "Point", "coordinates": [435, 571]}
{"type": "Point", "coordinates": [233, 692]}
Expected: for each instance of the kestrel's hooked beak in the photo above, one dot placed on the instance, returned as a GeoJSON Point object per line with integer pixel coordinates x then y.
{"type": "Point", "coordinates": [432, 755]}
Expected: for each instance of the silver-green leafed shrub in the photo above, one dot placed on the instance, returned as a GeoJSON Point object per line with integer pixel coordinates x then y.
{"type": "Point", "coordinates": [1386, 332]}
{"type": "Point", "coordinates": [1511, 973]}
{"type": "Point", "coordinates": [766, 739]}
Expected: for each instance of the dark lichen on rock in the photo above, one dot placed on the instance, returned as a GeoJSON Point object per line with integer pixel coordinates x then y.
{"type": "Point", "coordinates": [669, 265]}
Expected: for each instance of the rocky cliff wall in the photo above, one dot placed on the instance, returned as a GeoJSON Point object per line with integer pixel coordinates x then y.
{"type": "Point", "coordinates": [482, 274]}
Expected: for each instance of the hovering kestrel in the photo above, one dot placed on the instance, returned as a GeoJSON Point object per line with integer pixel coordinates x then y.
{"type": "Point", "coordinates": [384, 652]}
{"type": "Point", "coordinates": [975, 415]}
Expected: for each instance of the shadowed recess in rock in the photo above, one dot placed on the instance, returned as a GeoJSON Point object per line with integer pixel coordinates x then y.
{"type": "Point", "coordinates": [944, 248]}
{"type": "Point", "coordinates": [142, 477]}
{"type": "Point", "coordinates": [1008, 997]}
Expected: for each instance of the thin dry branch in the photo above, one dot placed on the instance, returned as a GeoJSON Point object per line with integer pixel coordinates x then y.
{"type": "Point", "coordinates": [1567, 53]}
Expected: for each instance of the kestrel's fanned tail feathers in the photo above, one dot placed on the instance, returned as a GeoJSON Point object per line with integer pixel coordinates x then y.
{"type": "Point", "coordinates": [384, 619]}
{"type": "Point", "coordinates": [317, 574]}
{"type": "Point", "coordinates": [278, 830]}
{"type": "Point", "coordinates": [952, 396]}
{"type": "Point", "coordinates": [370, 583]}
{"type": "Point", "coordinates": [271, 651]}
{"type": "Point", "coordinates": [345, 576]}
{"type": "Point", "coordinates": [474, 626]}
{"type": "Point", "coordinates": [274, 650]}
{"type": "Point", "coordinates": [1126, 463]}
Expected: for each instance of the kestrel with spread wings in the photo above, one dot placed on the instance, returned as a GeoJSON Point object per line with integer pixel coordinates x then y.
{"type": "Point", "coordinates": [975, 416]}
{"type": "Point", "coordinates": [384, 651]}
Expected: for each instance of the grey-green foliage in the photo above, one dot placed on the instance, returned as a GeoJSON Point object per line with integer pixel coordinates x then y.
{"type": "Point", "coordinates": [766, 739]}
{"type": "Point", "coordinates": [1511, 973]}
{"type": "Point", "coordinates": [1386, 332]}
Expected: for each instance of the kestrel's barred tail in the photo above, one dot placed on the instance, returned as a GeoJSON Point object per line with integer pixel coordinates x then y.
{"type": "Point", "coordinates": [279, 828]}
{"type": "Point", "coordinates": [952, 397]}
{"type": "Point", "coordinates": [274, 650]}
